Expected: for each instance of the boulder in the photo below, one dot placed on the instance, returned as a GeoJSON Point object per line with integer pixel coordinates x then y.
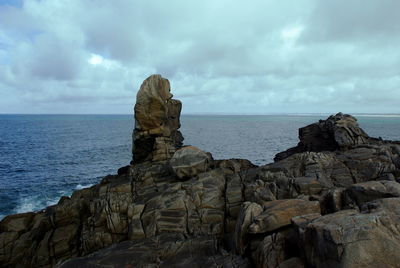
{"type": "Point", "coordinates": [277, 214]}
{"type": "Point", "coordinates": [351, 239]}
{"type": "Point", "coordinates": [368, 191]}
{"type": "Point", "coordinates": [190, 161]}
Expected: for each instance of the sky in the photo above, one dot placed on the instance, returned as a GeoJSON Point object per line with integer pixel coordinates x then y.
{"type": "Point", "coordinates": [221, 57]}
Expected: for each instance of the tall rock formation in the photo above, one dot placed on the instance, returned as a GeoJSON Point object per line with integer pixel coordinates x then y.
{"type": "Point", "coordinates": [332, 201]}
{"type": "Point", "coordinates": [156, 136]}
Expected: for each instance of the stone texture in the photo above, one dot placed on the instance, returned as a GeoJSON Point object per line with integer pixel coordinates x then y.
{"type": "Point", "coordinates": [340, 131]}
{"type": "Point", "coordinates": [190, 161]}
{"type": "Point", "coordinates": [279, 213]}
{"type": "Point", "coordinates": [368, 191]}
{"type": "Point", "coordinates": [156, 136]}
{"type": "Point", "coordinates": [351, 239]}
{"type": "Point", "coordinates": [246, 216]}
{"type": "Point", "coordinates": [177, 207]}
{"type": "Point", "coordinates": [167, 250]}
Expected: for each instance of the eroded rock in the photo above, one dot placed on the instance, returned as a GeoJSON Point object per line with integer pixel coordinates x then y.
{"type": "Point", "coordinates": [279, 213]}
{"type": "Point", "coordinates": [177, 207]}
{"type": "Point", "coordinates": [351, 239]}
{"type": "Point", "coordinates": [190, 161]}
{"type": "Point", "coordinates": [340, 131]}
{"type": "Point", "coordinates": [156, 136]}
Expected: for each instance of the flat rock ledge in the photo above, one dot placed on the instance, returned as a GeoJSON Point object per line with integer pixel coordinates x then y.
{"type": "Point", "coordinates": [331, 201]}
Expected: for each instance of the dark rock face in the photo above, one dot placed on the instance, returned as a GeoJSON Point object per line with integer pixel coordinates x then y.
{"type": "Point", "coordinates": [340, 131]}
{"type": "Point", "coordinates": [332, 201]}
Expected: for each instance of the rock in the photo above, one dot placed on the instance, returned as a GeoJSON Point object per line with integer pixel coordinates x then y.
{"type": "Point", "coordinates": [190, 161]}
{"type": "Point", "coordinates": [270, 252]}
{"type": "Point", "coordinates": [308, 186]}
{"type": "Point", "coordinates": [351, 239]}
{"type": "Point", "coordinates": [324, 168]}
{"type": "Point", "coordinates": [332, 200]}
{"type": "Point", "coordinates": [156, 136]}
{"type": "Point", "coordinates": [292, 263]}
{"type": "Point", "coordinates": [167, 250]}
{"type": "Point", "coordinates": [17, 222]}
{"type": "Point", "coordinates": [247, 215]}
{"type": "Point", "coordinates": [372, 190]}
{"type": "Point", "coordinates": [277, 214]}
{"type": "Point", "coordinates": [277, 250]}
{"type": "Point", "coordinates": [175, 206]}
{"type": "Point", "coordinates": [340, 131]}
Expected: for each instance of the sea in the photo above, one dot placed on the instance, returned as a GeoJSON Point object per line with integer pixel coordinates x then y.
{"type": "Point", "coordinates": [44, 157]}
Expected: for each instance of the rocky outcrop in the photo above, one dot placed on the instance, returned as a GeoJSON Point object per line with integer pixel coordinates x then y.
{"type": "Point", "coordinates": [332, 201]}
{"type": "Point", "coordinates": [340, 131]}
{"type": "Point", "coordinates": [156, 136]}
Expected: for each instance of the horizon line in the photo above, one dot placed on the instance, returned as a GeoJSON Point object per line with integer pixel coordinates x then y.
{"type": "Point", "coordinates": [217, 114]}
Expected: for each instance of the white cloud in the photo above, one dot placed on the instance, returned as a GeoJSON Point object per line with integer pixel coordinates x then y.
{"type": "Point", "coordinates": [95, 59]}
{"type": "Point", "coordinates": [264, 57]}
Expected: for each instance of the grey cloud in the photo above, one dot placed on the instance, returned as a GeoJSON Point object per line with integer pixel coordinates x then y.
{"type": "Point", "coordinates": [264, 57]}
{"type": "Point", "coordinates": [51, 58]}
{"type": "Point", "coordinates": [368, 20]}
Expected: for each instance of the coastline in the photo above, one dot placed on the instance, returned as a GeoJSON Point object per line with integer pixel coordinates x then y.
{"type": "Point", "coordinates": [176, 205]}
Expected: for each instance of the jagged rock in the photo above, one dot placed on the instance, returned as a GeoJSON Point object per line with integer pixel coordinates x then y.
{"type": "Point", "coordinates": [277, 214]}
{"type": "Point", "coordinates": [340, 131]}
{"type": "Point", "coordinates": [156, 136]}
{"type": "Point", "coordinates": [189, 161]}
{"type": "Point", "coordinates": [351, 239]}
{"type": "Point", "coordinates": [332, 200]}
{"type": "Point", "coordinates": [277, 249]}
{"type": "Point", "coordinates": [166, 250]}
{"type": "Point", "coordinates": [270, 252]}
{"type": "Point", "coordinates": [323, 168]}
{"type": "Point", "coordinates": [16, 223]}
{"type": "Point", "coordinates": [371, 190]}
{"type": "Point", "coordinates": [247, 215]}
{"type": "Point", "coordinates": [308, 186]}
{"type": "Point", "coordinates": [177, 207]}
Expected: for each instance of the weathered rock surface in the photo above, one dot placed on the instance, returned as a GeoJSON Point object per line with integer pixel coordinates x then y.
{"type": "Point", "coordinates": [190, 161]}
{"type": "Point", "coordinates": [332, 201]}
{"type": "Point", "coordinates": [340, 131]}
{"type": "Point", "coordinates": [351, 239]}
{"type": "Point", "coordinates": [166, 250]}
{"type": "Point", "coordinates": [156, 136]}
{"type": "Point", "coordinates": [278, 214]}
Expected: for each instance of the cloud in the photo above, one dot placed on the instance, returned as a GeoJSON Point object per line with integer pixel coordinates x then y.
{"type": "Point", "coordinates": [264, 57]}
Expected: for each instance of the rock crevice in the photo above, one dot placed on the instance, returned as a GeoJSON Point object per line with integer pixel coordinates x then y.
{"type": "Point", "coordinates": [331, 201]}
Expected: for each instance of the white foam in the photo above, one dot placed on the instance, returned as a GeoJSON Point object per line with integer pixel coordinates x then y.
{"type": "Point", "coordinates": [80, 186]}
{"type": "Point", "coordinates": [30, 204]}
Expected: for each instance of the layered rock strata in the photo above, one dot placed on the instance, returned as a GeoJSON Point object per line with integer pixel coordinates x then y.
{"type": "Point", "coordinates": [333, 201]}
{"type": "Point", "coordinates": [156, 136]}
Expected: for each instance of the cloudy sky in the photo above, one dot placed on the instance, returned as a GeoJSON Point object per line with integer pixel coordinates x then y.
{"type": "Point", "coordinates": [258, 57]}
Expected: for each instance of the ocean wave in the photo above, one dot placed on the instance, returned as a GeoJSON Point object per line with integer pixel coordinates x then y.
{"type": "Point", "coordinates": [29, 204]}
{"type": "Point", "coordinates": [80, 186]}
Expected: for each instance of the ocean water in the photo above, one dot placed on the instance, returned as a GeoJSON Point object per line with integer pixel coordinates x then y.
{"type": "Point", "coordinates": [43, 157]}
